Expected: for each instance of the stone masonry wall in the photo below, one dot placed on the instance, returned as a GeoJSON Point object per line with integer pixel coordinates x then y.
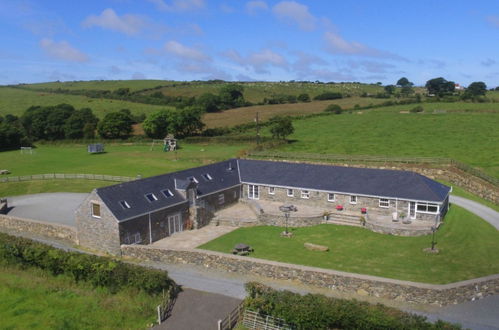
{"type": "Point", "coordinates": [364, 285]}
{"type": "Point", "coordinates": [39, 228]}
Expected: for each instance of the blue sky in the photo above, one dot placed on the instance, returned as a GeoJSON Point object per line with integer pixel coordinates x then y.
{"type": "Point", "coordinates": [361, 40]}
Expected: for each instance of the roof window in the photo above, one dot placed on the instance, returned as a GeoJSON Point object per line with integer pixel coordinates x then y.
{"type": "Point", "coordinates": [124, 204]}
{"type": "Point", "coordinates": [151, 197]}
{"type": "Point", "coordinates": [193, 179]}
{"type": "Point", "coordinates": [167, 193]}
{"type": "Point", "coordinates": [207, 177]}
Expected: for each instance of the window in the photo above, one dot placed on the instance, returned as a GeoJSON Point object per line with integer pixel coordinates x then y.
{"type": "Point", "coordinates": [193, 179]}
{"type": "Point", "coordinates": [305, 194]}
{"type": "Point", "coordinates": [291, 193]}
{"type": "Point", "coordinates": [427, 208]}
{"type": "Point", "coordinates": [353, 199]}
{"type": "Point", "coordinates": [271, 190]}
{"type": "Point", "coordinates": [330, 197]}
{"type": "Point", "coordinates": [167, 193]}
{"type": "Point", "coordinates": [207, 177]}
{"type": "Point", "coordinates": [253, 191]}
{"type": "Point", "coordinates": [384, 202]}
{"type": "Point", "coordinates": [221, 199]}
{"type": "Point", "coordinates": [124, 204]}
{"type": "Point", "coordinates": [151, 197]}
{"type": "Point", "coordinates": [96, 210]}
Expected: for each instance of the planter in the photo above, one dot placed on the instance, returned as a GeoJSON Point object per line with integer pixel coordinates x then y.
{"type": "Point", "coordinates": [363, 210]}
{"type": "Point", "coordinates": [339, 207]}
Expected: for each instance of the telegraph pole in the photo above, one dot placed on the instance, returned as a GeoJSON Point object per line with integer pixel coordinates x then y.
{"type": "Point", "coordinates": [257, 130]}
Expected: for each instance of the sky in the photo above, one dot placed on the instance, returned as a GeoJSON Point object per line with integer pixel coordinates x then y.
{"type": "Point", "coordinates": [326, 40]}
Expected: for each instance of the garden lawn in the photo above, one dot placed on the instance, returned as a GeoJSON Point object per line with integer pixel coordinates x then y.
{"type": "Point", "coordinates": [468, 137]}
{"type": "Point", "coordinates": [468, 248]}
{"type": "Point", "coordinates": [32, 299]}
{"type": "Point", "coordinates": [47, 186]}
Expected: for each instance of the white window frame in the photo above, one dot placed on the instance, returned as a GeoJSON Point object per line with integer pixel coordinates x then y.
{"type": "Point", "coordinates": [124, 204]}
{"type": "Point", "coordinates": [252, 188]}
{"type": "Point", "coordinates": [426, 205]}
{"type": "Point", "coordinates": [331, 199]}
{"type": "Point", "coordinates": [165, 191]}
{"type": "Point", "coordinates": [353, 199]}
{"type": "Point", "coordinates": [221, 199]}
{"type": "Point", "coordinates": [384, 203]}
{"type": "Point", "coordinates": [292, 193]}
{"type": "Point", "coordinates": [207, 177]}
{"type": "Point", "coordinates": [92, 210]}
{"type": "Point", "coordinates": [305, 194]}
{"type": "Point", "coordinates": [153, 197]}
{"type": "Point", "coordinates": [271, 190]}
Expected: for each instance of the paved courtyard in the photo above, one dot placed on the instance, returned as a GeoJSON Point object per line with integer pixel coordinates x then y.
{"type": "Point", "coordinates": [50, 207]}
{"type": "Point", "coordinates": [191, 239]}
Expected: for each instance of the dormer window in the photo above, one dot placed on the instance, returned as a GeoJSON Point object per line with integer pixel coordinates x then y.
{"type": "Point", "coordinates": [151, 197]}
{"type": "Point", "coordinates": [167, 193]}
{"type": "Point", "coordinates": [193, 179]}
{"type": "Point", "coordinates": [124, 204]}
{"type": "Point", "coordinates": [207, 177]}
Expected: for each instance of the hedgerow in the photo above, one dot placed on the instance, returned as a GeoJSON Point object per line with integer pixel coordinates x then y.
{"type": "Point", "coordinates": [315, 311]}
{"type": "Point", "coordinates": [99, 271]}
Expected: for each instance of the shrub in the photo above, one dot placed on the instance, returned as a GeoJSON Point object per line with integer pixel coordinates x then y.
{"type": "Point", "coordinates": [333, 108]}
{"type": "Point", "coordinates": [304, 97]}
{"type": "Point", "coordinates": [329, 96]}
{"type": "Point", "coordinates": [99, 271]}
{"type": "Point", "coordinates": [314, 311]}
{"type": "Point", "coordinates": [417, 109]}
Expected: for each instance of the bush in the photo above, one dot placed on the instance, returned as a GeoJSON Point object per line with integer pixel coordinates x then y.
{"type": "Point", "coordinates": [417, 109]}
{"type": "Point", "coordinates": [314, 311]}
{"type": "Point", "coordinates": [329, 96]}
{"type": "Point", "coordinates": [99, 271]}
{"type": "Point", "coordinates": [303, 97]}
{"type": "Point", "coordinates": [333, 108]}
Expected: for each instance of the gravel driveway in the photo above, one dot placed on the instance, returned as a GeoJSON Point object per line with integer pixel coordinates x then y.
{"type": "Point", "coordinates": [49, 207]}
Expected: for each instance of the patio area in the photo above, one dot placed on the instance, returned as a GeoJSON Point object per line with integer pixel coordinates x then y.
{"type": "Point", "coordinates": [190, 239]}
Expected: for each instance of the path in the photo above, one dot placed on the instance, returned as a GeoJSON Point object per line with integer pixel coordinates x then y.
{"type": "Point", "coordinates": [201, 310]}
{"type": "Point", "coordinates": [484, 212]}
{"type": "Point", "coordinates": [50, 207]}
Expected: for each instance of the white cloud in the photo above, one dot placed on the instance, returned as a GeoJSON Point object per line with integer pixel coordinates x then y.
{"type": "Point", "coordinates": [259, 61]}
{"type": "Point", "coordinates": [337, 45]}
{"type": "Point", "coordinates": [128, 24]}
{"type": "Point", "coordinates": [62, 50]}
{"type": "Point", "coordinates": [183, 52]}
{"type": "Point", "coordinates": [253, 7]}
{"type": "Point", "coordinates": [178, 5]}
{"type": "Point", "coordinates": [295, 12]}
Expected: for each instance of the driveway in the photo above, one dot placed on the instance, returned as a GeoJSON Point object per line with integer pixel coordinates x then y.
{"type": "Point", "coordinates": [50, 207]}
{"type": "Point", "coordinates": [484, 212]}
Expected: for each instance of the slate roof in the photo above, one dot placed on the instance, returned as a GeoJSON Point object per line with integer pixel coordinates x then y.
{"type": "Point", "coordinates": [350, 180]}
{"type": "Point", "coordinates": [134, 192]}
{"type": "Point", "coordinates": [226, 174]}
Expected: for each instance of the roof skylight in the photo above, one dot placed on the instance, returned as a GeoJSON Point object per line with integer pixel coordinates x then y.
{"type": "Point", "coordinates": [124, 204]}
{"type": "Point", "coordinates": [151, 197]}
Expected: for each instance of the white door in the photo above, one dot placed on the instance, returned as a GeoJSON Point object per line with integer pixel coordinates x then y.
{"type": "Point", "coordinates": [253, 191]}
{"type": "Point", "coordinates": [174, 224]}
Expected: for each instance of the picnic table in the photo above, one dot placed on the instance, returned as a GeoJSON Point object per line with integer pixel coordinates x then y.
{"type": "Point", "coordinates": [242, 249]}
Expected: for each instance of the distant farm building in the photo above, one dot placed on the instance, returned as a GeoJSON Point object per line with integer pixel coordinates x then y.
{"type": "Point", "coordinates": [95, 148]}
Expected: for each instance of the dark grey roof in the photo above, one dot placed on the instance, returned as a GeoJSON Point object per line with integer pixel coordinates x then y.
{"type": "Point", "coordinates": [134, 192]}
{"type": "Point", "coordinates": [351, 180]}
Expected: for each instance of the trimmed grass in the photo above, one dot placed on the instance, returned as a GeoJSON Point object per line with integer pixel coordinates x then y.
{"type": "Point", "coordinates": [111, 85]}
{"type": "Point", "coordinates": [119, 159]}
{"type": "Point", "coordinates": [32, 299]}
{"type": "Point", "coordinates": [15, 101]}
{"type": "Point", "coordinates": [46, 186]}
{"type": "Point", "coordinates": [467, 137]}
{"type": "Point", "coordinates": [468, 248]}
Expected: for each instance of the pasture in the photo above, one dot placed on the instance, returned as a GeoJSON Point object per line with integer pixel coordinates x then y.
{"type": "Point", "coordinates": [15, 101]}
{"type": "Point", "coordinates": [468, 248]}
{"type": "Point", "coordinates": [468, 137]}
{"type": "Point", "coordinates": [110, 85]}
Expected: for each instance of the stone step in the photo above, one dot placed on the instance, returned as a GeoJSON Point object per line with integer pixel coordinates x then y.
{"type": "Point", "coordinates": [231, 222]}
{"type": "Point", "coordinates": [344, 222]}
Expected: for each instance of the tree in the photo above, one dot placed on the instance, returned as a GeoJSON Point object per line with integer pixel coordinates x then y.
{"type": "Point", "coordinates": [158, 124]}
{"type": "Point", "coordinates": [209, 102]}
{"type": "Point", "coordinates": [81, 123]}
{"type": "Point", "coordinates": [187, 122]}
{"type": "Point", "coordinates": [46, 122]}
{"type": "Point", "coordinates": [333, 108]}
{"type": "Point", "coordinates": [389, 89]}
{"type": "Point", "coordinates": [12, 133]}
{"type": "Point", "coordinates": [403, 82]}
{"type": "Point", "coordinates": [231, 95]}
{"type": "Point", "coordinates": [440, 86]}
{"type": "Point", "coordinates": [281, 127]}
{"type": "Point", "coordinates": [304, 97]}
{"type": "Point", "coordinates": [477, 88]}
{"type": "Point", "coordinates": [115, 125]}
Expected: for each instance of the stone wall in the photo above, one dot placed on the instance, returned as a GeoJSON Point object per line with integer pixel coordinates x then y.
{"type": "Point", "coordinates": [363, 285]}
{"type": "Point", "coordinates": [279, 220]}
{"type": "Point", "coordinates": [39, 228]}
{"type": "Point", "coordinates": [398, 231]}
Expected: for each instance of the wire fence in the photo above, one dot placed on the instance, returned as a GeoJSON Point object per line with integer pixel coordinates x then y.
{"type": "Point", "coordinates": [352, 159]}
{"type": "Point", "coordinates": [65, 176]}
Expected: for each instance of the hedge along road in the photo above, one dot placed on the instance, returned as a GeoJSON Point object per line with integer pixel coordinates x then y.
{"type": "Point", "coordinates": [50, 207]}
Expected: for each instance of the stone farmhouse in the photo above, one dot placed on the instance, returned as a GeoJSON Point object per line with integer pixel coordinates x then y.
{"type": "Point", "coordinates": [150, 209]}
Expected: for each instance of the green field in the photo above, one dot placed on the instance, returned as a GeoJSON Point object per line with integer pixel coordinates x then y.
{"type": "Point", "coordinates": [468, 248]}
{"type": "Point", "coordinates": [15, 101]}
{"type": "Point", "coordinates": [32, 299]}
{"type": "Point", "coordinates": [109, 85]}
{"type": "Point", "coordinates": [47, 186]}
{"type": "Point", "coordinates": [468, 137]}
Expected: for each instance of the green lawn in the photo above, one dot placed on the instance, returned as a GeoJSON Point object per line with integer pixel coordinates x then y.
{"type": "Point", "coordinates": [468, 249]}
{"type": "Point", "coordinates": [15, 101]}
{"type": "Point", "coordinates": [46, 186]}
{"type": "Point", "coordinates": [110, 85]}
{"type": "Point", "coordinates": [468, 137]}
{"type": "Point", "coordinates": [31, 299]}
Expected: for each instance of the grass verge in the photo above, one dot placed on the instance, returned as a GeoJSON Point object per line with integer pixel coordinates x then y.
{"type": "Point", "coordinates": [468, 248]}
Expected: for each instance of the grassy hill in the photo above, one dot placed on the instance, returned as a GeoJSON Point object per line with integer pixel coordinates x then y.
{"type": "Point", "coordinates": [111, 85]}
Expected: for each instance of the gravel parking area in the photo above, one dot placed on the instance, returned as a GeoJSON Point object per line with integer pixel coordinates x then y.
{"type": "Point", "coordinates": [49, 207]}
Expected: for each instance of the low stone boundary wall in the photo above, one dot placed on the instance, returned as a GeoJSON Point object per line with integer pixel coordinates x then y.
{"type": "Point", "coordinates": [279, 220]}
{"type": "Point", "coordinates": [385, 229]}
{"type": "Point", "coordinates": [39, 228]}
{"type": "Point", "coordinates": [364, 285]}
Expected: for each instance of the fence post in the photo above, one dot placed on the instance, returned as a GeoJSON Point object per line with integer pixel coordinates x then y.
{"type": "Point", "coordinates": [159, 314]}
{"type": "Point", "coordinates": [219, 324]}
